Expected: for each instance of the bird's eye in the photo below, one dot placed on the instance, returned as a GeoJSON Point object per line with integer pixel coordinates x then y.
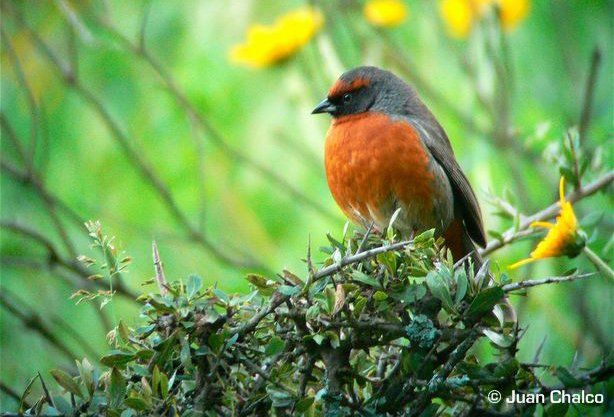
{"type": "Point", "coordinates": [347, 97]}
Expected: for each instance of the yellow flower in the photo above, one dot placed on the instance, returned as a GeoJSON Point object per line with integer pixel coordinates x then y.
{"type": "Point", "coordinates": [563, 238]}
{"type": "Point", "coordinates": [266, 45]}
{"type": "Point", "coordinates": [460, 15]}
{"type": "Point", "coordinates": [385, 13]}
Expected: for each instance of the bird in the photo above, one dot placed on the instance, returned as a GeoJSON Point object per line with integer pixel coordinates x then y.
{"type": "Point", "coordinates": [385, 152]}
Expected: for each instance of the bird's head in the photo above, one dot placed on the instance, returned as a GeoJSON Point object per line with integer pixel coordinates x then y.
{"type": "Point", "coordinates": [365, 89]}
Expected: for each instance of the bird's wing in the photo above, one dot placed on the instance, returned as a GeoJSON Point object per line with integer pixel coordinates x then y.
{"type": "Point", "coordinates": [438, 144]}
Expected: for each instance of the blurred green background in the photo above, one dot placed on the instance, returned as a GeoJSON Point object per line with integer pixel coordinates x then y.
{"type": "Point", "coordinates": [239, 156]}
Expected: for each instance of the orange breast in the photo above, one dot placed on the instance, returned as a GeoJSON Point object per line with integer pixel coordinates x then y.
{"type": "Point", "coordinates": [374, 165]}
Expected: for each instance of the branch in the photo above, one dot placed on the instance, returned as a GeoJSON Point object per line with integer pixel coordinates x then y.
{"type": "Point", "coordinates": [591, 82]}
{"type": "Point", "coordinates": [548, 213]}
{"type": "Point", "coordinates": [549, 280]}
{"type": "Point", "coordinates": [215, 136]}
{"type": "Point", "coordinates": [32, 320]}
{"type": "Point", "coordinates": [160, 278]}
{"type": "Point", "coordinates": [135, 157]}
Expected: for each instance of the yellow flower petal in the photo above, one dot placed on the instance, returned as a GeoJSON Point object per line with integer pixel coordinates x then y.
{"type": "Point", "coordinates": [513, 12]}
{"type": "Point", "coordinates": [563, 237]}
{"type": "Point", "coordinates": [542, 224]}
{"type": "Point", "coordinates": [458, 16]}
{"type": "Point", "coordinates": [385, 13]}
{"type": "Point", "coordinates": [266, 45]}
{"type": "Point", "coordinates": [521, 263]}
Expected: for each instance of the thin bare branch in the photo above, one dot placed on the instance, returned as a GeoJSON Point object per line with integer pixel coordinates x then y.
{"type": "Point", "coordinates": [159, 268]}
{"type": "Point", "coordinates": [549, 280]}
{"type": "Point", "coordinates": [589, 90]}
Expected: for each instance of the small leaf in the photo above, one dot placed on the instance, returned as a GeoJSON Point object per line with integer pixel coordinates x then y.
{"type": "Point", "coordinates": [439, 289]}
{"type": "Point", "coordinates": [484, 302]}
{"type": "Point", "coordinates": [339, 299]}
{"type": "Point", "coordinates": [86, 372]}
{"type": "Point", "coordinates": [498, 339]}
{"type": "Point", "coordinates": [221, 295]}
{"type": "Point", "coordinates": [216, 341]}
{"type": "Point", "coordinates": [117, 388]}
{"type": "Point", "coordinates": [288, 290]}
{"type": "Point", "coordinates": [424, 236]}
{"type": "Point", "coordinates": [567, 378]}
{"type": "Point", "coordinates": [66, 382]}
{"type": "Point", "coordinates": [136, 403]}
{"type": "Point", "coordinates": [275, 346]}
{"type": "Point", "coordinates": [293, 278]}
{"type": "Point", "coordinates": [193, 285]}
{"type": "Point", "coordinates": [380, 295]}
{"type": "Point", "coordinates": [303, 404]}
{"type": "Point", "coordinates": [117, 357]}
{"type": "Point", "coordinates": [329, 293]}
{"type": "Point", "coordinates": [124, 331]}
{"type": "Point", "coordinates": [365, 279]}
{"type": "Point", "coordinates": [461, 286]}
{"type": "Point", "coordinates": [359, 305]}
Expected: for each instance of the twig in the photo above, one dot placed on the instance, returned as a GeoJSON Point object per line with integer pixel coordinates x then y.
{"type": "Point", "coordinates": [26, 87]}
{"type": "Point", "coordinates": [33, 321]}
{"type": "Point", "coordinates": [136, 158]}
{"type": "Point", "coordinates": [549, 280]}
{"type": "Point", "coordinates": [332, 269]}
{"type": "Point", "coordinates": [160, 278]}
{"type": "Point", "coordinates": [601, 266]}
{"type": "Point", "coordinates": [591, 82]}
{"type": "Point", "coordinates": [214, 135]}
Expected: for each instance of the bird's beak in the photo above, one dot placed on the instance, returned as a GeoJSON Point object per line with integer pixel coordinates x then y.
{"type": "Point", "coordinates": [325, 106]}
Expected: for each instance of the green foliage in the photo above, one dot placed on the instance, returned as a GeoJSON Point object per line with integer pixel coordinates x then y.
{"type": "Point", "coordinates": [382, 328]}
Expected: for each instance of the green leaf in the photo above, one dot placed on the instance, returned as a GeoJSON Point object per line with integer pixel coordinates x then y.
{"type": "Point", "coordinates": [499, 339]}
{"type": "Point", "coordinates": [318, 338]}
{"type": "Point", "coordinates": [25, 394]}
{"type": "Point", "coordinates": [303, 404]}
{"type": "Point", "coordinates": [484, 302]}
{"type": "Point", "coordinates": [359, 305]}
{"type": "Point", "coordinates": [136, 403]}
{"type": "Point", "coordinates": [461, 286]}
{"type": "Point", "coordinates": [410, 293]}
{"type": "Point", "coordinates": [556, 410]}
{"type": "Point", "coordinates": [365, 279]}
{"type": "Point", "coordinates": [275, 346]}
{"type": "Point", "coordinates": [265, 287]}
{"type": "Point", "coordinates": [123, 331]}
{"type": "Point", "coordinates": [194, 284]}
{"type": "Point", "coordinates": [117, 388]}
{"type": "Point", "coordinates": [439, 289]}
{"type": "Point", "coordinates": [278, 397]}
{"type": "Point", "coordinates": [380, 295]}
{"type": "Point", "coordinates": [155, 379]}
{"type": "Point", "coordinates": [163, 385]}
{"type": "Point", "coordinates": [216, 341]}
{"type": "Point", "coordinates": [86, 372]}
{"type": "Point", "coordinates": [288, 290]}
{"type": "Point", "coordinates": [117, 357]}
{"type": "Point", "coordinates": [567, 378]}
{"type": "Point", "coordinates": [221, 295]}
{"type": "Point", "coordinates": [329, 293]}
{"type": "Point", "coordinates": [66, 382]}
{"type": "Point", "coordinates": [424, 236]}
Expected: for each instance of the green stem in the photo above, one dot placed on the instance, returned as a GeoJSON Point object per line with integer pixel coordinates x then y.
{"type": "Point", "coordinates": [599, 263]}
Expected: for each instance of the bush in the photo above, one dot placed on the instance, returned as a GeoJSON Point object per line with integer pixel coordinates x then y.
{"type": "Point", "coordinates": [382, 328]}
